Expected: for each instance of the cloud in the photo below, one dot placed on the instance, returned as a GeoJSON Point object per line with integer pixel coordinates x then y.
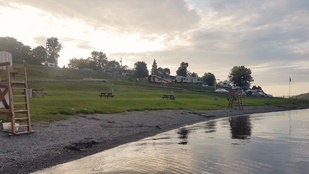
{"type": "Point", "coordinates": [251, 33]}
{"type": "Point", "coordinates": [85, 45]}
{"type": "Point", "coordinates": [143, 16]}
{"type": "Point", "coordinates": [40, 40]}
{"type": "Point", "coordinates": [212, 36]}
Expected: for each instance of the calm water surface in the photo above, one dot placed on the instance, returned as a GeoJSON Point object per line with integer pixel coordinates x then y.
{"type": "Point", "coordinates": [275, 142]}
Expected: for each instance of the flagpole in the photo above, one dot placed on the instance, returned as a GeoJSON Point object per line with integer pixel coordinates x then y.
{"type": "Point", "coordinates": [289, 86]}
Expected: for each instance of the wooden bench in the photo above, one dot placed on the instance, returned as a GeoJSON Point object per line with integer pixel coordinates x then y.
{"type": "Point", "coordinates": [106, 95]}
{"type": "Point", "coordinates": [168, 96]}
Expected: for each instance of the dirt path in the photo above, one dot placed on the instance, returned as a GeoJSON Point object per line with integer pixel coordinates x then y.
{"type": "Point", "coordinates": [75, 138]}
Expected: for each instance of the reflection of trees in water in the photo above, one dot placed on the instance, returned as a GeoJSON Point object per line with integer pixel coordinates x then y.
{"type": "Point", "coordinates": [210, 126]}
{"type": "Point", "coordinates": [183, 135]}
{"type": "Point", "coordinates": [240, 127]}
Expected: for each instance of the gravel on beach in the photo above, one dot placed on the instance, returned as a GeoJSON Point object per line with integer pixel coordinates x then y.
{"type": "Point", "coordinates": [85, 134]}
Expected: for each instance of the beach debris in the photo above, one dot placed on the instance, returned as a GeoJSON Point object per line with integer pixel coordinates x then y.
{"type": "Point", "coordinates": [158, 127]}
{"type": "Point", "coordinates": [79, 146]}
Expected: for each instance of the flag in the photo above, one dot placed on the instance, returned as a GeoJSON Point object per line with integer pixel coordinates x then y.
{"type": "Point", "coordinates": [289, 79]}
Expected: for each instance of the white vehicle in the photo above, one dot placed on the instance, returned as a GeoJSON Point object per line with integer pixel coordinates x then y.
{"type": "Point", "coordinates": [221, 90]}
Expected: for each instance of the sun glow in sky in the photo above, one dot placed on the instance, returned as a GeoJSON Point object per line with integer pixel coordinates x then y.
{"type": "Point", "coordinates": [270, 38]}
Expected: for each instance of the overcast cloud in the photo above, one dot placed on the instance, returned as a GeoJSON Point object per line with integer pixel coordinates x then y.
{"type": "Point", "coordinates": [270, 37]}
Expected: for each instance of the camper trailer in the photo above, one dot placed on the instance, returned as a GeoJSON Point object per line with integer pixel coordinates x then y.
{"type": "Point", "coordinates": [158, 79]}
{"type": "Point", "coordinates": [193, 80]}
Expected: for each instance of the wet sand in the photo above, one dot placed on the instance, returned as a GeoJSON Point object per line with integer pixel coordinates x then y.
{"type": "Point", "coordinates": [84, 135]}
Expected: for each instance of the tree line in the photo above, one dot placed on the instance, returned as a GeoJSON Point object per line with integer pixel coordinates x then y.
{"type": "Point", "coordinates": [238, 75]}
{"type": "Point", "coordinates": [36, 56]}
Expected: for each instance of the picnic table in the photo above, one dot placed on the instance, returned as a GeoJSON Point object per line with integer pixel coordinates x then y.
{"type": "Point", "coordinates": [169, 96]}
{"type": "Point", "coordinates": [106, 95]}
{"type": "Point", "coordinates": [38, 92]}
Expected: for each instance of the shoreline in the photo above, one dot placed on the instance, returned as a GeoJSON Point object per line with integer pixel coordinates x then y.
{"type": "Point", "coordinates": [87, 134]}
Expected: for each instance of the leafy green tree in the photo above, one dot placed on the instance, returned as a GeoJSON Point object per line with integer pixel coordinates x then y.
{"type": "Point", "coordinates": [98, 60]}
{"type": "Point", "coordinates": [209, 78]}
{"type": "Point", "coordinates": [19, 51]}
{"type": "Point", "coordinates": [193, 74]}
{"type": "Point", "coordinates": [140, 70]}
{"type": "Point", "coordinates": [78, 63]}
{"type": "Point", "coordinates": [38, 56]}
{"type": "Point", "coordinates": [167, 71]}
{"type": "Point", "coordinates": [164, 72]}
{"type": "Point", "coordinates": [154, 69]}
{"type": "Point", "coordinates": [182, 70]}
{"type": "Point", "coordinates": [241, 76]}
{"type": "Point", "coordinates": [92, 64]}
{"type": "Point", "coordinates": [113, 63]}
{"type": "Point", "coordinates": [53, 48]}
{"type": "Point", "coordinates": [257, 88]}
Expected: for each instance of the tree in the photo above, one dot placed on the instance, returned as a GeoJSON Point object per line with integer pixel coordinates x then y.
{"type": "Point", "coordinates": [241, 76]}
{"type": "Point", "coordinates": [99, 60]}
{"type": "Point", "coordinates": [209, 79]}
{"type": "Point", "coordinates": [164, 72]}
{"type": "Point", "coordinates": [140, 70]}
{"type": "Point", "coordinates": [113, 63]}
{"type": "Point", "coordinates": [154, 69]}
{"type": "Point", "coordinates": [19, 51]}
{"type": "Point", "coordinates": [167, 71]}
{"type": "Point", "coordinates": [78, 63]}
{"type": "Point", "coordinates": [193, 74]}
{"type": "Point", "coordinates": [182, 70]}
{"type": "Point", "coordinates": [53, 47]}
{"type": "Point", "coordinates": [38, 56]}
{"type": "Point", "coordinates": [257, 88]}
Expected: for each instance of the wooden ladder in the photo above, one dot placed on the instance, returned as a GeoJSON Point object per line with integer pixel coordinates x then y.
{"type": "Point", "coordinates": [17, 108]}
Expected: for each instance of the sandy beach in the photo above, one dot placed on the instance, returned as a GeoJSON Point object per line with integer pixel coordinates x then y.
{"type": "Point", "coordinates": [84, 135]}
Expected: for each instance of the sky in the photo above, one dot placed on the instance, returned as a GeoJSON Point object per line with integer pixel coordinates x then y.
{"type": "Point", "coordinates": [269, 37]}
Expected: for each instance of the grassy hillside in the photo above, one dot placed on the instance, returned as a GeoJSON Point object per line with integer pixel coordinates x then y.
{"type": "Point", "coordinates": [304, 96]}
{"type": "Point", "coordinates": [68, 94]}
{"type": "Point", "coordinates": [48, 73]}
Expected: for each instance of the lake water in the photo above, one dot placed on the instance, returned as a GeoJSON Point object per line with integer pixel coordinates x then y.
{"type": "Point", "coordinates": [276, 142]}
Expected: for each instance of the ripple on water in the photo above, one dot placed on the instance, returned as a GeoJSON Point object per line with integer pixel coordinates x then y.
{"type": "Point", "coordinates": [260, 143]}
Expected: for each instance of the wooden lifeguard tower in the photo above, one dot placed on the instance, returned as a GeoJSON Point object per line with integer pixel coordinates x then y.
{"type": "Point", "coordinates": [14, 95]}
{"type": "Point", "coordinates": [235, 96]}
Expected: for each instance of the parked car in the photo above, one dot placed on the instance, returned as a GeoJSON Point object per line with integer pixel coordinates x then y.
{"type": "Point", "coordinates": [221, 90]}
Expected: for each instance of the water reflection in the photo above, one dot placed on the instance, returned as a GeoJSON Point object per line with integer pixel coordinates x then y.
{"type": "Point", "coordinates": [271, 149]}
{"type": "Point", "coordinates": [183, 135]}
{"type": "Point", "coordinates": [240, 127]}
{"type": "Point", "coordinates": [210, 126]}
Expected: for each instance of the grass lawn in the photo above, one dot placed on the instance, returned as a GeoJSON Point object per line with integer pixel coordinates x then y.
{"type": "Point", "coordinates": [64, 100]}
